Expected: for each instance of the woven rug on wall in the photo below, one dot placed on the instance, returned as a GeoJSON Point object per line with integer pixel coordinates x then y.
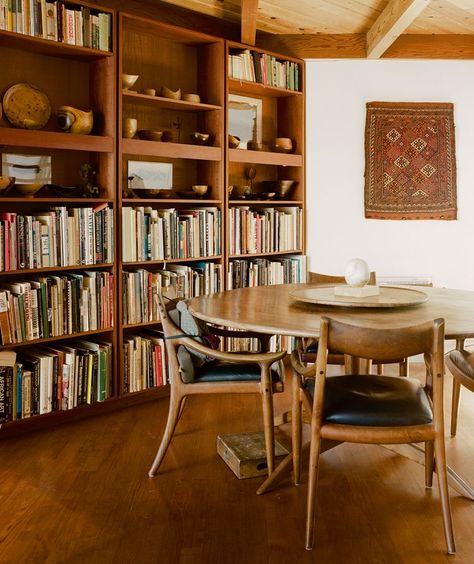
{"type": "Point", "coordinates": [410, 161]}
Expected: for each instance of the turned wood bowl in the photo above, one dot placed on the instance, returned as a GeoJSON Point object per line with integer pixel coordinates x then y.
{"type": "Point", "coordinates": [200, 189]}
{"type": "Point", "coordinates": [281, 187]}
{"type": "Point", "coordinates": [234, 141]}
{"type": "Point", "coordinates": [171, 94]}
{"type": "Point", "coordinates": [6, 182]}
{"type": "Point", "coordinates": [29, 189]}
{"type": "Point", "coordinates": [195, 98]}
{"type": "Point", "coordinates": [198, 138]}
{"type": "Point", "coordinates": [150, 135]}
{"type": "Point", "coordinates": [128, 80]}
{"type": "Point", "coordinates": [282, 145]}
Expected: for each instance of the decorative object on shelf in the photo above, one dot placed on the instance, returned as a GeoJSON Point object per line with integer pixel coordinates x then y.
{"type": "Point", "coordinates": [29, 189]}
{"type": "Point", "coordinates": [250, 174]}
{"type": "Point", "coordinates": [170, 136]}
{"type": "Point", "coordinates": [65, 191]}
{"type": "Point", "coordinates": [245, 119]}
{"type": "Point", "coordinates": [241, 191]}
{"type": "Point", "coordinates": [410, 161]}
{"type": "Point", "coordinates": [129, 127]}
{"type": "Point", "coordinates": [195, 98]}
{"type": "Point", "coordinates": [200, 189]}
{"type": "Point", "coordinates": [128, 80]}
{"type": "Point", "coordinates": [32, 170]}
{"type": "Point", "coordinates": [88, 174]}
{"type": "Point", "coordinates": [171, 94]}
{"type": "Point", "coordinates": [149, 135]}
{"type": "Point", "coordinates": [198, 138]}
{"type": "Point", "coordinates": [26, 106]}
{"type": "Point", "coordinates": [357, 275]}
{"type": "Point", "coordinates": [282, 145]}
{"type": "Point", "coordinates": [150, 91]}
{"type": "Point", "coordinates": [281, 187]}
{"type": "Point", "coordinates": [144, 175]}
{"type": "Point", "coordinates": [256, 146]}
{"type": "Point", "coordinates": [6, 182]}
{"type": "Point", "coordinates": [234, 141]}
{"type": "Point", "coordinates": [152, 192]}
{"type": "Point", "coordinates": [75, 121]}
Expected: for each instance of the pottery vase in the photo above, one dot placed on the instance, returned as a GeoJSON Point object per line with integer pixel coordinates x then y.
{"type": "Point", "coordinates": [75, 121]}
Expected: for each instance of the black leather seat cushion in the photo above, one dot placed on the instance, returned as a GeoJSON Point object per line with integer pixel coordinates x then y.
{"type": "Point", "coordinates": [464, 361]}
{"type": "Point", "coordinates": [375, 401]}
{"type": "Point", "coordinates": [229, 372]}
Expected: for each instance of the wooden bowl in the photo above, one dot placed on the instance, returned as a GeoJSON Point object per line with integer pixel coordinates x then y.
{"type": "Point", "coordinates": [255, 146]}
{"type": "Point", "coordinates": [171, 94]}
{"type": "Point", "coordinates": [281, 187]}
{"type": "Point", "coordinates": [200, 189]}
{"type": "Point", "coordinates": [234, 141]}
{"type": "Point", "coordinates": [195, 98]}
{"type": "Point", "coordinates": [128, 80]}
{"type": "Point", "coordinates": [282, 145]}
{"type": "Point", "coordinates": [6, 182]}
{"type": "Point", "coordinates": [198, 138]}
{"type": "Point", "coordinates": [150, 135]}
{"type": "Point", "coordinates": [153, 193]}
{"type": "Point", "coordinates": [29, 189]}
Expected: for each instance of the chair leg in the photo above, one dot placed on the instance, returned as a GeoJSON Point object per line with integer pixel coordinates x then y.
{"type": "Point", "coordinates": [174, 412]}
{"type": "Point", "coordinates": [380, 369]}
{"type": "Point", "coordinates": [440, 456]}
{"type": "Point", "coordinates": [429, 463]}
{"type": "Point", "coordinates": [296, 429]}
{"type": "Point", "coordinates": [455, 406]}
{"type": "Point", "coordinates": [403, 367]}
{"type": "Point", "coordinates": [312, 486]}
{"type": "Point", "coordinates": [267, 405]}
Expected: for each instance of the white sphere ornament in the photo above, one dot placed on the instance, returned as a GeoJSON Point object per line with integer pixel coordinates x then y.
{"type": "Point", "coordinates": [357, 272]}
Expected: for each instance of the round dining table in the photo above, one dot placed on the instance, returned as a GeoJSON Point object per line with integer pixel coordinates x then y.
{"type": "Point", "coordinates": [274, 310]}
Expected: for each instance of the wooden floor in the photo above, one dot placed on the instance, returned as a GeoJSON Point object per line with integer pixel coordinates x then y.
{"type": "Point", "coordinates": [80, 494]}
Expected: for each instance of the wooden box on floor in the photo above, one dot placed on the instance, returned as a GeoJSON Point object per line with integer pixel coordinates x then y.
{"type": "Point", "coordinates": [244, 453]}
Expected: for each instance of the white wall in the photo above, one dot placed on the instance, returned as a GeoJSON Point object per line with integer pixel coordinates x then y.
{"type": "Point", "coordinates": [337, 92]}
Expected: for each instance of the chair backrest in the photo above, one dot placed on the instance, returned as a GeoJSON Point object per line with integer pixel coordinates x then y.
{"type": "Point", "coordinates": [383, 344]}
{"type": "Point", "coordinates": [318, 278]}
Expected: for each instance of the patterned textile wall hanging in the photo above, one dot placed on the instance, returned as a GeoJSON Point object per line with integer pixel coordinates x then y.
{"type": "Point", "coordinates": [410, 161]}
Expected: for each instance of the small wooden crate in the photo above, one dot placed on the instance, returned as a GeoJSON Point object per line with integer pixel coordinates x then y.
{"type": "Point", "coordinates": [244, 453]}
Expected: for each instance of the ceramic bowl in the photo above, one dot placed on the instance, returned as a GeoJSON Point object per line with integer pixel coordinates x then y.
{"type": "Point", "coordinates": [195, 98]}
{"type": "Point", "coordinates": [171, 94]}
{"type": "Point", "coordinates": [153, 192]}
{"type": "Point", "coordinates": [6, 182]}
{"type": "Point", "coordinates": [128, 80]}
{"type": "Point", "coordinates": [150, 135]}
{"type": "Point", "coordinates": [29, 189]}
{"type": "Point", "coordinates": [198, 138]}
{"type": "Point", "coordinates": [200, 189]}
{"type": "Point", "coordinates": [65, 191]}
{"type": "Point", "coordinates": [170, 136]}
{"type": "Point", "coordinates": [241, 191]}
{"type": "Point", "coordinates": [150, 91]}
{"type": "Point", "coordinates": [234, 141]}
{"type": "Point", "coordinates": [281, 187]}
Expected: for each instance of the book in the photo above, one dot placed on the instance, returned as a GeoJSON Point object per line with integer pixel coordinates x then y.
{"type": "Point", "coordinates": [7, 363]}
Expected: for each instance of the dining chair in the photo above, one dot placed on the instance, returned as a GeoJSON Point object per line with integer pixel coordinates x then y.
{"type": "Point", "coordinates": [310, 348]}
{"type": "Point", "coordinates": [460, 363]}
{"type": "Point", "coordinates": [366, 408]}
{"type": "Point", "coordinates": [195, 368]}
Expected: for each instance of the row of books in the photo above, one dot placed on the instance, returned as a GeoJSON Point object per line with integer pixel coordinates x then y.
{"type": "Point", "coordinates": [144, 362]}
{"type": "Point", "coordinates": [54, 378]}
{"type": "Point", "coordinates": [262, 272]}
{"type": "Point", "coordinates": [51, 306]}
{"type": "Point", "coordinates": [58, 21]}
{"type": "Point", "coordinates": [56, 237]}
{"type": "Point", "coordinates": [155, 234]}
{"type": "Point", "coordinates": [266, 230]}
{"type": "Point", "coordinates": [142, 287]}
{"type": "Point", "coordinates": [263, 68]}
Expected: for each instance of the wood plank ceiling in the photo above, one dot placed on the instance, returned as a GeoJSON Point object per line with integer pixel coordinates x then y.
{"type": "Point", "coordinates": [349, 28]}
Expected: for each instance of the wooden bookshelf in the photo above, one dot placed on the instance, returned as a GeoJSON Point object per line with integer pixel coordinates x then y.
{"type": "Point", "coordinates": [166, 56]}
{"type": "Point", "coordinates": [84, 78]}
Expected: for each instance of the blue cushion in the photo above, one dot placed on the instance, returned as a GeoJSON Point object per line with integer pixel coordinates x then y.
{"type": "Point", "coordinates": [377, 401]}
{"type": "Point", "coordinates": [229, 372]}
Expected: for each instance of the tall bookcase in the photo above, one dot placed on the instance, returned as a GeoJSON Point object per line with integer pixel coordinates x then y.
{"type": "Point", "coordinates": [84, 78]}
{"type": "Point", "coordinates": [161, 55]}
{"type": "Point", "coordinates": [172, 232]}
{"type": "Point", "coordinates": [274, 86]}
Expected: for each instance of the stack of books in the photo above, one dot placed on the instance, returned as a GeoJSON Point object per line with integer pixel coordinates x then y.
{"type": "Point", "coordinates": [263, 272]}
{"type": "Point", "coordinates": [144, 362]}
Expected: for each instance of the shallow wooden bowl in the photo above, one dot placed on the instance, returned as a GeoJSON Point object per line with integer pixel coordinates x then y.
{"type": "Point", "coordinates": [153, 193]}
{"type": "Point", "coordinates": [234, 141]}
{"type": "Point", "coordinates": [198, 138]}
{"type": "Point", "coordinates": [200, 189]}
{"type": "Point", "coordinates": [128, 80]}
{"type": "Point", "coordinates": [195, 98]}
{"type": "Point", "coordinates": [150, 135]}
{"type": "Point", "coordinates": [171, 94]}
{"type": "Point", "coordinates": [6, 182]}
{"type": "Point", "coordinates": [29, 189]}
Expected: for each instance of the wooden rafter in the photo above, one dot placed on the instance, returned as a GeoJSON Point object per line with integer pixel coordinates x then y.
{"type": "Point", "coordinates": [248, 28]}
{"type": "Point", "coordinates": [391, 23]}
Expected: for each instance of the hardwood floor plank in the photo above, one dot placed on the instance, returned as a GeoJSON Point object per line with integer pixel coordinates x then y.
{"type": "Point", "coordinates": [80, 493]}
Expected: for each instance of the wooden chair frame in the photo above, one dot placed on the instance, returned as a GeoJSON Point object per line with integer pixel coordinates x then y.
{"type": "Point", "coordinates": [459, 378]}
{"type": "Point", "coordinates": [427, 339]}
{"type": "Point", "coordinates": [179, 390]}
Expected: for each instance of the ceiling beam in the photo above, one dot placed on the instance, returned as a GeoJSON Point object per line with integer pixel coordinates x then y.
{"type": "Point", "coordinates": [248, 27]}
{"type": "Point", "coordinates": [463, 4]}
{"type": "Point", "coordinates": [391, 23]}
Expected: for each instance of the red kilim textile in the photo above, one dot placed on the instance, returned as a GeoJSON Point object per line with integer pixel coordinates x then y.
{"type": "Point", "coordinates": [410, 161]}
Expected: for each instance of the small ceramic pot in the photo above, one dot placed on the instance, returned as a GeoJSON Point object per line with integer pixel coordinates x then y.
{"type": "Point", "coordinates": [129, 127]}
{"type": "Point", "coordinates": [150, 91]}
{"type": "Point", "coordinates": [75, 121]}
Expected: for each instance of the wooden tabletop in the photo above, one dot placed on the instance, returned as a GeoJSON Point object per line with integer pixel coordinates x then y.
{"type": "Point", "coordinates": [270, 309]}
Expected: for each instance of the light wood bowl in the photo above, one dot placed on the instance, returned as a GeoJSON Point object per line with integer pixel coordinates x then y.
{"type": "Point", "coordinates": [30, 189]}
{"type": "Point", "coordinates": [192, 98]}
{"type": "Point", "coordinates": [6, 182]}
{"type": "Point", "coordinates": [171, 94]}
{"type": "Point", "coordinates": [128, 80]}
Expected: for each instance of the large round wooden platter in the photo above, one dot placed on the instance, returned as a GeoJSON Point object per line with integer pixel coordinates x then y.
{"type": "Point", "coordinates": [27, 107]}
{"type": "Point", "coordinates": [390, 296]}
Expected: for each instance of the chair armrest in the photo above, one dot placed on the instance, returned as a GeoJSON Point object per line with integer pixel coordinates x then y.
{"type": "Point", "coordinates": [258, 358]}
{"type": "Point", "coordinates": [300, 368]}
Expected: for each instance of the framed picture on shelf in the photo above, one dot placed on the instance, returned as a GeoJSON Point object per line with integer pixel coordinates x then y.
{"type": "Point", "coordinates": [245, 119]}
{"type": "Point", "coordinates": [150, 175]}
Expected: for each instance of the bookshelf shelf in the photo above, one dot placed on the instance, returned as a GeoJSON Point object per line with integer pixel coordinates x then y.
{"type": "Point", "coordinates": [257, 89]}
{"type": "Point", "coordinates": [171, 150]}
{"type": "Point", "coordinates": [273, 254]}
{"type": "Point", "coordinates": [55, 140]}
{"type": "Point", "coordinates": [49, 269]}
{"type": "Point", "coordinates": [165, 202]}
{"type": "Point", "coordinates": [248, 202]}
{"type": "Point", "coordinates": [264, 157]}
{"type": "Point", "coordinates": [76, 335]}
{"type": "Point", "coordinates": [167, 103]}
{"type": "Point", "coordinates": [142, 324]}
{"type": "Point", "coordinates": [38, 199]}
{"type": "Point", "coordinates": [171, 261]}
